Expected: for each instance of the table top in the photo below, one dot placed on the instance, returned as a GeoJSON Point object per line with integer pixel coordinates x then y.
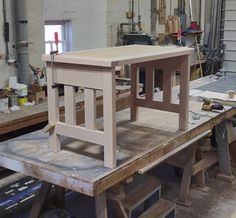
{"type": "Point", "coordinates": [118, 56]}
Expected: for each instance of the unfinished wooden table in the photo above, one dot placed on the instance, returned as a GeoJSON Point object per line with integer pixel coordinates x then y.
{"type": "Point", "coordinates": [95, 70]}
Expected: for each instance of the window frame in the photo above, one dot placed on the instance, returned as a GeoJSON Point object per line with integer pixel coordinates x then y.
{"type": "Point", "coordinates": [65, 34]}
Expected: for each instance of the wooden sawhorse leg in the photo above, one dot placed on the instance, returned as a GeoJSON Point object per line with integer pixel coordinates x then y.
{"type": "Point", "coordinates": [43, 196]}
{"type": "Point", "coordinates": [223, 152]}
{"type": "Point", "coordinates": [187, 175]}
{"type": "Point", "coordinates": [101, 205]}
{"type": "Point", "coordinates": [200, 176]}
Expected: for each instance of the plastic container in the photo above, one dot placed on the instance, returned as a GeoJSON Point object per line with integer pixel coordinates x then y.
{"type": "Point", "coordinates": [13, 99]}
{"type": "Point", "coordinates": [22, 100]}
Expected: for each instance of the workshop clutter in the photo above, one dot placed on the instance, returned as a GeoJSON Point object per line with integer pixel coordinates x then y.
{"type": "Point", "coordinates": [17, 94]}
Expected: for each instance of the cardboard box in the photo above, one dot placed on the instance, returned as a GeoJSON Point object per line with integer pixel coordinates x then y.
{"type": "Point", "coordinates": [38, 97]}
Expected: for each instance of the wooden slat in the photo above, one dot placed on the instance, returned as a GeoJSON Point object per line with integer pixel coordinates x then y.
{"type": "Point", "coordinates": [159, 210]}
{"type": "Point", "coordinates": [167, 86]}
{"type": "Point", "coordinates": [158, 105]}
{"type": "Point", "coordinates": [81, 133]}
{"type": "Point", "coordinates": [134, 92]}
{"type": "Point", "coordinates": [149, 80]}
{"type": "Point", "coordinates": [70, 105]}
{"type": "Point", "coordinates": [90, 108]}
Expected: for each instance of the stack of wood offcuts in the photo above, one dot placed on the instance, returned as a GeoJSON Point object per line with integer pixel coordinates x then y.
{"type": "Point", "coordinates": [172, 24]}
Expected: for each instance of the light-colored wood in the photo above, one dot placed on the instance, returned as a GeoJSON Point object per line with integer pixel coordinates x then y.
{"type": "Point", "coordinates": [70, 105]}
{"type": "Point", "coordinates": [78, 76]}
{"type": "Point", "coordinates": [109, 109]}
{"type": "Point", "coordinates": [184, 92]}
{"type": "Point", "coordinates": [134, 92]}
{"type": "Point", "coordinates": [119, 56]}
{"type": "Point", "coordinates": [101, 205]}
{"type": "Point", "coordinates": [157, 105]}
{"type": "Point", "coordinates": [159, 210]}
{"type": "Point", "coordinates": [53, 112]}
{"type": "Point", "coordinates": [94, 136]}
{"type": "Point", "coordinates": [90, 108]}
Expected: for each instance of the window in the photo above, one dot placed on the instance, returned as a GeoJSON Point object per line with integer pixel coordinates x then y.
{"type": "Point", "coordinates": [62, 28]}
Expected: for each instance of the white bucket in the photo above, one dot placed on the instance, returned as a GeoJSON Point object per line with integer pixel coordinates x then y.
{"type": "Point", "coordinates": [4, 105]}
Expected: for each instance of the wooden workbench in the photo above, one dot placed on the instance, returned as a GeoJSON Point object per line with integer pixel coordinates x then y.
{"type": "Point", "coordinates": [140, 144]}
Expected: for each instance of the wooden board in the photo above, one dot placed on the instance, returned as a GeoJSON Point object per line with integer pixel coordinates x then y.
{"type": "Point", "coordinates": [118, 56]}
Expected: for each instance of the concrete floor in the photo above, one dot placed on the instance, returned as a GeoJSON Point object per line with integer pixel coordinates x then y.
{"type": "Point", "coordinates": [219, 202]}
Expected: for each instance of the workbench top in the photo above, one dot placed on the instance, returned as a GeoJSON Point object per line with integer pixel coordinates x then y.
{"type": "Point", "coordinates": [79, 166]}
{"type": "Point", "coordinates": [118, 56]}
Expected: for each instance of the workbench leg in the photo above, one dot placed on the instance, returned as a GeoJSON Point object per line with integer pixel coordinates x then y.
{"type": "Point", "coordinates": [101, 205]}
{"type": "Point", "coordinates": [109, 116]}
{"type": "Point", "coordinates": [115, 197]}
{"type": "Point", "coordinates": [40, 200]}
{"type": "Point", "coordinates": [223, 152]}
{"type": "Point", "coordinates": [134, 92]}
{"type": "Point", "coordinates": [184, 92]}
{"type": "Point", "coordinates": [187, 175]}
{"type": "Point", "coordinates": [200, 176]}
{"type": "Point", "coordinates": [59, 196]}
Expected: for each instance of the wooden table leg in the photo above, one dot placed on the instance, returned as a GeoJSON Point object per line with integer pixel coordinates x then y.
{"type": "Point", "coordinates": [184, 92]}
{"type": "Point", "coordinates": [101, 205]}
{"type": "Point", "coordinates": [109, 112]}
{"type": "Point", "coordinates": [53, 112]}
{"type": "Point", "coordinates": [187, 175]}
{"type": "Point", "coordinates": [223, 152]}
{"type": "Point", "coordinates": [40, 200]}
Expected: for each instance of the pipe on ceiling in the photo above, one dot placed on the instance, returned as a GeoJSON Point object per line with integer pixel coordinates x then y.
{"type": "Point", "coordinates": [21, 31]}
